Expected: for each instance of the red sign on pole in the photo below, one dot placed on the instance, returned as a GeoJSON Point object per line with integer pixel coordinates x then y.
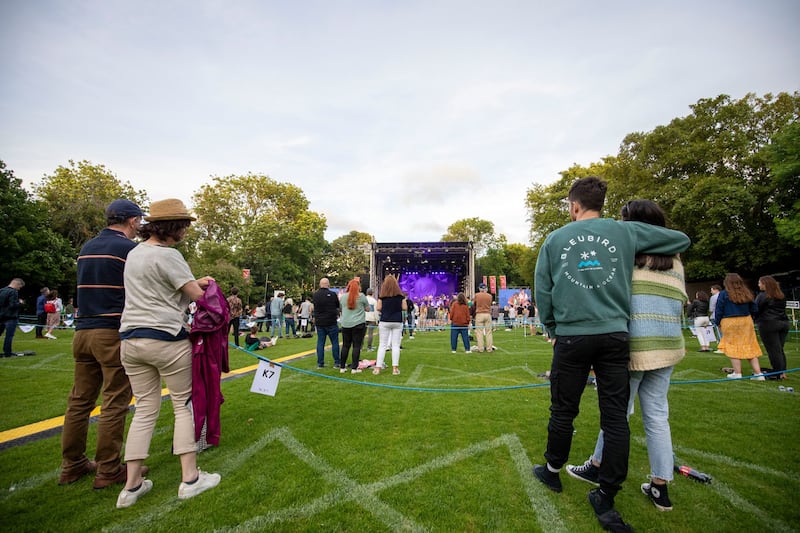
{"type": "Point", "coordinates": [245, 273]}
{"type": "Point", "coordinates": [493, 284]}
{"type": "Point", "coordinates": [484, 280]}
{"type": "Point", "coordinates": [502, 282]}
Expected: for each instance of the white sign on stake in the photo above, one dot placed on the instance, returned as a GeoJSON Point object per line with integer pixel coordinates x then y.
{"type": "Point", "coordinates": [266, 379]}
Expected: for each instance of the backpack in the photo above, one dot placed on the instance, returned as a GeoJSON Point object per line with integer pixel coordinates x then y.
{"type": "Point", "coordinates": [50, 307]}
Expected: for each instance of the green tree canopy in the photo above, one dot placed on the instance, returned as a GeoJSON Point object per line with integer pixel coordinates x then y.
{"type": "Point", "coordinates": [477, 230]}
{"type": "Point", "coordinates": [30, 249]}
{"type": "Point", "coordinates": [348, 257]}
{"type": "Point", "coordinates": [76, 197]}
{"type": "Point", "coordinates": [266, 226]}
{"type": "Point", "coordinates": [718, 175]}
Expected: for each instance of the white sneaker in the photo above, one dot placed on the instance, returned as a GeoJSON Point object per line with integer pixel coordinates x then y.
{"type": "Point", "coordinates": [127, 498]}
{"type": "Point", "coordinates": [204, 482]}
{"type": "Point", "coordinates": [734, 375]}
{"type": "Point", "coordinates": [274, 341]}
{"type": "Point", "coordinates": [50, 336]}
{"type": "Point", "coordinates": [453, 351]}
{"type": "Point", "coordinates": [343, 370]}
{"type": "Point", "coordinates": [758, 377]}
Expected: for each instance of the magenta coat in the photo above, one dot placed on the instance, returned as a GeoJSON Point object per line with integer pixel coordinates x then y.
{"type": "Point", "coordinates": [209, 338]}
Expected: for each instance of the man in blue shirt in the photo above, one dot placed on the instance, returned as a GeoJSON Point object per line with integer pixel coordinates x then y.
{"type": "Point", "coordinates": [95, 348]}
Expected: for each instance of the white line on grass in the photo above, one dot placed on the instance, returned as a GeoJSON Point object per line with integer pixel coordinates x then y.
{"type": "Point", "coordinates": [724, 459]}
{"type": "Point", "coordinates": [366, 495]}
{"type": "Point", "coordinates": [741, 504]}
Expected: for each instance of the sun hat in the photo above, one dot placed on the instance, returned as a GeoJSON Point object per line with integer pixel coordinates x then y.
{"type": "Point", "coordinates": [169, 209]}
{"type": "Point", "coordinates": [123, 209]}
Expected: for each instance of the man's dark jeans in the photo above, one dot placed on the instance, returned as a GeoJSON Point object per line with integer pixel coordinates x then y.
{"type": "Point", "coordinates": [9, 327]}
{"type": "Point", "coordinates": [573, 357]}
{"type": "Point", "coordinates": [323, 333]}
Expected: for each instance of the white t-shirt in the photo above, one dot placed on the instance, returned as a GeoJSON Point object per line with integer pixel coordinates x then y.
{"type": "Point", "coordinates": [371, 316]}
{"type": "Point", "coordinates": [153, 277]}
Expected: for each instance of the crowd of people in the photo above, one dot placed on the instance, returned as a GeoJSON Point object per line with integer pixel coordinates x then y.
{"type": "Point", "coordinates": [131, 333]}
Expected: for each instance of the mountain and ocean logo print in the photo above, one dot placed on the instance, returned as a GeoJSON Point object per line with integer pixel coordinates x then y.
{"type": "Point", "coordinates": [588, 259]}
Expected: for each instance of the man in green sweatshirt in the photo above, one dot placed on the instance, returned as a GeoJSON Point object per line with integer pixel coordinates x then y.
{"type": "Point", "coordinates": [583, 293]}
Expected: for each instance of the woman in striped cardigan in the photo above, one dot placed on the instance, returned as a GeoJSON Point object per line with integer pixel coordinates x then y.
{"type": "Point", "coordinates": [657, 345]}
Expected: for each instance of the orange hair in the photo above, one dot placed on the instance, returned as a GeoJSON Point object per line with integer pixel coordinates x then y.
{"type": "Point", "coordinates": [353, 290]}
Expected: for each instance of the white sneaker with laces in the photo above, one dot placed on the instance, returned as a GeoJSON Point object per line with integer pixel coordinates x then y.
{"type": "Point", "coordinates": [758, 377]}
{"type": "Point", "coordinates": [127, 498]}
{"type": "Point", "coordinates": [734, 375]}
{"type": "Point", "coordinates": [204, 482]}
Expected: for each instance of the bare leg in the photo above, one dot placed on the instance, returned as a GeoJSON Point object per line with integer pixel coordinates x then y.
{"type": "Point", "coordinates": [755, 364]}
{"type": "Point", "coordinates": [188, 467]}
{"type": "Point", "coordinates": [737, 365]}
{"type": "Point", "coordinates": [134, 473]}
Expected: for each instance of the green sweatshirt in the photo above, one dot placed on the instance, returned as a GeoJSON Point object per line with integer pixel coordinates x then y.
{"type": "Point", "coordinates": [583, 273]}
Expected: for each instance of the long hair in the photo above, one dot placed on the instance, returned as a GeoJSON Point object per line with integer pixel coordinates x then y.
{"type": "Point", "coordinates": [389, 287]}
{"type": "Point", "coordinates": [353, 290]}
{"type": "Point", "coordinates": [648, 212]}
{"type": "Point", "coordinates": [702, 296]}
{"type": "Point", "coordinates": [737, 290]}
{"type": "Point", "coordinates": [461, 298]}
{"type": "Point", "coordinates": [772, 288]}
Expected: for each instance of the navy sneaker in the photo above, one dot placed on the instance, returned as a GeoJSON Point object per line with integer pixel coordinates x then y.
{"type": "Point", "coordinates": [586, 472]}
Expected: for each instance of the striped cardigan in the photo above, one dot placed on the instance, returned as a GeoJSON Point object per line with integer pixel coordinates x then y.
{"type": "Point", "coordinates": [657, 300]}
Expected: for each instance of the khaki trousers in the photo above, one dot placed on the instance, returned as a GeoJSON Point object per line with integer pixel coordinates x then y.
{"type": "Point", "coordinates": [97, 367]}
{"type": "Point", "coordinates": [483, 331]}
{"type": "Point", "coordinates": [147, 362]}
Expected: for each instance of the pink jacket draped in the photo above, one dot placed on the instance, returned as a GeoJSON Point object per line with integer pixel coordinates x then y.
{"type": "Point", "coordinates": [209, 338]}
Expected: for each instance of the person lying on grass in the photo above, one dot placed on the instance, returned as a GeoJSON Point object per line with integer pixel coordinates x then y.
{"type": "Point", "coordinates": [253, 342]}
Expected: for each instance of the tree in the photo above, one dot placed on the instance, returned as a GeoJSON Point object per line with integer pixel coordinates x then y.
{"type": "Point", "coordinates": [348, 257]}
{"type": "Point", "coordinates": [477, 230]}
{"type": "Point", "coordinates": [783, 157]}
{"type": "Point", "coordinates": [522, 263]}
{"type": "Point", "coordinates": [76, 197]}
{"type": "Point", "coordinates": [228, 205]}
{"type": "Point", "coordinates": [718, 175]}
{"type": "Point", "coordinates": [31, 250]}
{"type": "Point", "coordinates": [265, 225]}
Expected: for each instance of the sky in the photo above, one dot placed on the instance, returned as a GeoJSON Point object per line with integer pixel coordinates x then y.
{"type": "Point", "coordinates": [394, 118]}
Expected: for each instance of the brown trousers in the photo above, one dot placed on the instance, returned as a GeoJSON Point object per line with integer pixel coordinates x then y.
{"type": "Point", "coordinates": [97, 367]}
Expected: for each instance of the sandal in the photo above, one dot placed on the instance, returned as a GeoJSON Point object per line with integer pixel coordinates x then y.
{"type": "Point", "coordinates": [376, 371]}
{"type": "Point", "coordinates": [396, 372]}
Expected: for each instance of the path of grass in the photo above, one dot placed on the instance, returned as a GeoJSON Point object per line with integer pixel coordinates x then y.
{"type": "Point", "coordinates": [328, 453]}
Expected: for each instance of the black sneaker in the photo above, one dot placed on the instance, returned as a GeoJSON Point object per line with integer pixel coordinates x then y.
{"type": "Point", "coordinates": [586, 472]}
{"type": "Point", "coordinates": [658, 495]}
{"type": "Point", "coordinates": [550, 479]}
{"type": "Point", "coordinates": [605, 513]}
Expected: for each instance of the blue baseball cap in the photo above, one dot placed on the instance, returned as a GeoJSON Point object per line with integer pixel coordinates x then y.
{"type": "Point", "coordinates": [123, 209]}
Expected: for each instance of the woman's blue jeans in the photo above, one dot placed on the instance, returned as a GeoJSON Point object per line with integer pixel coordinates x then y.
{"type": "Point", "coordinates": [652, 387]}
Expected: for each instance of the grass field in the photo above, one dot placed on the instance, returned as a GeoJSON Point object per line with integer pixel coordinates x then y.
{"type": "Point", "coordinates": [446, 446]}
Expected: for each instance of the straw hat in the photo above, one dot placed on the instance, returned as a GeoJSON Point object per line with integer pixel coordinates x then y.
{"type": "Point", "coordinates": [169, 209]}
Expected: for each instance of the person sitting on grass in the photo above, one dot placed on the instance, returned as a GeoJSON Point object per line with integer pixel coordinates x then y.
{"type": "Point", "coordinates": [253, 342]}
